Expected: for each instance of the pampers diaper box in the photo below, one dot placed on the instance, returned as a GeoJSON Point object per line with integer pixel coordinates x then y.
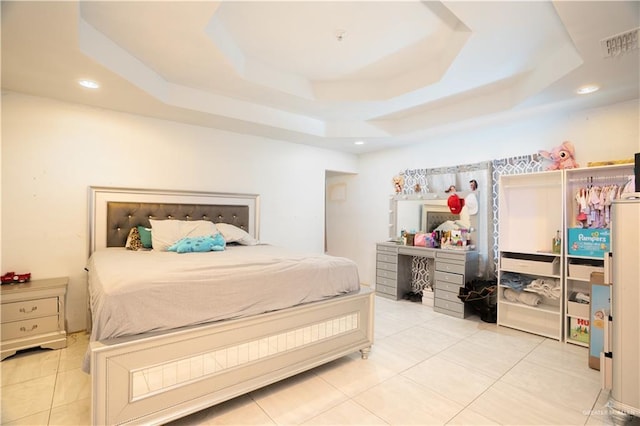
{"type": "Point", "coordinates": [589, 242]}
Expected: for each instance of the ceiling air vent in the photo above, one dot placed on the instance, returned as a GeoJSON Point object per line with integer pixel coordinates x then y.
{"type": "Point", "coordinates": [620, 43]}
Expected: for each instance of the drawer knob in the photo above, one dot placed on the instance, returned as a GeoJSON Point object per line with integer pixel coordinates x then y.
{"type": "Point", "coordinates": [33, 327]}
{"type": "Point", "coordinates": [24, 310]}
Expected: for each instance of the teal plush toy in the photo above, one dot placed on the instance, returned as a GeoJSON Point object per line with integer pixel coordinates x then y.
{"type": "Point", "coordinates": [199, 244]}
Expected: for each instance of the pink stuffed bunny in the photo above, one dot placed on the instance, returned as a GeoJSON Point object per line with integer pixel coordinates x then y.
{"type": "Point", "coordinates": [562, 157]}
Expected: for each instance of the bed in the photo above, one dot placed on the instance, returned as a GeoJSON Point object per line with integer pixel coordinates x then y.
{"type": "Point", "coordinates": [173, 333]}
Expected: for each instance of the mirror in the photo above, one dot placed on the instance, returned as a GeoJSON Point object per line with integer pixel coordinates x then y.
{"type": "Point", "coordinates": [421, 213]}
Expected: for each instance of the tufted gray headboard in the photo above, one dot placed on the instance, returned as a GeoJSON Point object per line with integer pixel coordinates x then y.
{"type": "Point", "coordinates": [121, 217]}
{"type": "Point", "coordinates": [114, 211]}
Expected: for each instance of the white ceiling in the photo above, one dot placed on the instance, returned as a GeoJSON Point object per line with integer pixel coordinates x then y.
{"type": "Point", "coordinates": [322, 73]}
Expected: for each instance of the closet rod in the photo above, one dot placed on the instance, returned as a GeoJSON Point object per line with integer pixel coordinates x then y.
{"type": "Point", "coordinates": [591, 179]}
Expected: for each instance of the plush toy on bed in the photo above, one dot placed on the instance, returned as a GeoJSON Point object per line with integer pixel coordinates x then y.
{"type": "Point", "coordinates": [563, 157]}
{"type": "Point", "coordinates": [199, 244]}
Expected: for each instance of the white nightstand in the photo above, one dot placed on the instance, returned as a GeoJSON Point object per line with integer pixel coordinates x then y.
{"type": "Point", "coordinates": [33, 315]}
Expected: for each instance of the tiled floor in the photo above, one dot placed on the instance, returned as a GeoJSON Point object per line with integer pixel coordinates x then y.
{"type": "Point", "coordinates": [425, 368]}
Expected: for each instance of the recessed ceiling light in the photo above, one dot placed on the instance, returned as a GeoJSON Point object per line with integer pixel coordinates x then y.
{"type": "Point", "coordinates": [584, 90]}
{"type": "Point", "coordinates": [358, 143]}
{"type": "Point", "coordinates": [89, 84]}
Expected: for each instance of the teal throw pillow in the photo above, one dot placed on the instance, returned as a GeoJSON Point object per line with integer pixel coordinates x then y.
{"type": "Point", "coordinates": [199, 244]}
{"type": "Point", "coordinates": [145, 236]}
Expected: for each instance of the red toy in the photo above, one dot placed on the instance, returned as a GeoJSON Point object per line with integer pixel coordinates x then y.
{"type": "Point", "coordinates": [13, 278]}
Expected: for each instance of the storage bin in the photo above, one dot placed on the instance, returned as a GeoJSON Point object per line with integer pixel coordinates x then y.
{"type": "Point", "coordinates": [575, 309]}
{"type": "Point", "coordinates": [583, 271]}
{"type": "Point", "coordinates": [531, 264]}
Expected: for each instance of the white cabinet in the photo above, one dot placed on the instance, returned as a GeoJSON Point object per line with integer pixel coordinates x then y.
{"type": "Point", "coordinates": [530, 297]}
{"type": "Point", "coordinates": [588, 196]}
{"type": "Point", "coordinates": [33, 314]}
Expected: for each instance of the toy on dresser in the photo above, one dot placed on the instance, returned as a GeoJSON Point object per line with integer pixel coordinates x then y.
{"type": "Point", "coordinates": [13, 278]}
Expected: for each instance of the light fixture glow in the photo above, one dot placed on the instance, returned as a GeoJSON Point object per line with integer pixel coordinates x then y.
{"type": "Point", "coordinates": [358, 143]}
{"type": "Point", "coordinates": [89, 84]}
{"type": "Point", "coordinates": [585, 90]}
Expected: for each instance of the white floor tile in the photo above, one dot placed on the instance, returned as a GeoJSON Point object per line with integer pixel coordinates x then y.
{"type": "Point", "coordinates": [453, 381]}
{"type": "Point", "coordinates": [562, 387]}
{"type": "Point", "coordinates": [298, 399]}
{"type": "Point", "coordinates": [239, 411]}
{"type": "Point", "coordinates": [29, 365]}
{"type": "Point", "coordinates": [510, 405]}
{"type": "Point", "coordinates": [487, 360]}
{"type": "Point", "coordinates": [470, 417]}
{"type": "Point", "coordinates": [76, 413]}
{"type": "Point", "coordinates": [347, 413]}
{"type": "Point", "coordinates": [402, 401]}
{"type": "Point", "coordinates": [27, 398]}
{"type": "Point", "coordinates": [352, 375]}
{"type": "Point", "coordinates": [71, 386]}
{"type": "Point", "coordinates": [567, 357]}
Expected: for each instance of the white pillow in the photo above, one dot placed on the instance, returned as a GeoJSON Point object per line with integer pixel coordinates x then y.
{"type": "Point", "coordinates": [164, 233]}
{"type": "Point", "coordinates": [233, 234]}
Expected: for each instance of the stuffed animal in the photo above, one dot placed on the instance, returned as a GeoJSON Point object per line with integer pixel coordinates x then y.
{"type": "Point", "coordinates": [398, 183]}
{"type": "Point", "coordinates": [563, 157]}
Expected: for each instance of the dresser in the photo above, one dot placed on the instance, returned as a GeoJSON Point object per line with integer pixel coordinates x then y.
{"type": "Point", "coordinates": [452, 270]}
{"type": "Point", "coordinates": [33, 314]}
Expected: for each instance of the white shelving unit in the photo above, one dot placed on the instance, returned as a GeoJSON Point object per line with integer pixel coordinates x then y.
{"type": "Point", "coordinates": [531, 208]}
{"type": "Point", "coordinates": [578, 267]}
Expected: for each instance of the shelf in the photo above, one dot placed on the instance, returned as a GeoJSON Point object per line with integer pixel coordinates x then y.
{"type": "Point", "coordinates": [542, 323]}
{"type": "Point", "coordinates": [577, 342]}
{"type": "Point", "coordinates": [577, 316]}
{"type": "Point", "coordinates": [531, 274]}
{"type": "Point", "coordinates": [579, 279]}
{"type": "Point", "coordinates": [543, 308]}
{"type": "Point", "coordinates": [575, 256]}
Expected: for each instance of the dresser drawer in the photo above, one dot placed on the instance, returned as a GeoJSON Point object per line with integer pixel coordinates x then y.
{"type": "Point", "coordinates": [454, 268]}
{"type": "Point", "coordinates": [457, 307]}
{"type": "Point", "coordinates": [447, 295]}
{"type": "Point", "coordinates": [391, 291]}
{"type": "Point", "coordinates": [387, 266]}
{"type": "Point", "coordinates": [389, 258]}
{"type": "Point", "coordinates": [30, 327]}
{"type": "Point", "coordinates": [390, 249]}
{"type": "Point", "coordinates": [386, 274]}
{"type": "Point", "coordinates": [390, 282]}
{"type": "Point", "coordinates": [27, 309]}
{"type": "Point", "coordinates": [450, 278]}
{"type": "Point", "coordinates": [448, 286]}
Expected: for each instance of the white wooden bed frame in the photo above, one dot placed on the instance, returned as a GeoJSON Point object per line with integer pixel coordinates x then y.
{"type": "Point", "coordinates": [158, 377]}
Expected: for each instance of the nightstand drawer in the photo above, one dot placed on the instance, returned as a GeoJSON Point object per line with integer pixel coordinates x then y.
{"type": "Point", "coordinates": [450, 278]}
{"type": "Point", "coordinates": [27, 309]}
{"type": "Point", "coordinates": [28, 328]}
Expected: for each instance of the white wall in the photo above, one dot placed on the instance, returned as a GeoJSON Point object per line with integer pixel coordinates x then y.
{"type": "Point", "coordinates": [53, 151]}
{"type": "Point", "coordinates": [608, 133]}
